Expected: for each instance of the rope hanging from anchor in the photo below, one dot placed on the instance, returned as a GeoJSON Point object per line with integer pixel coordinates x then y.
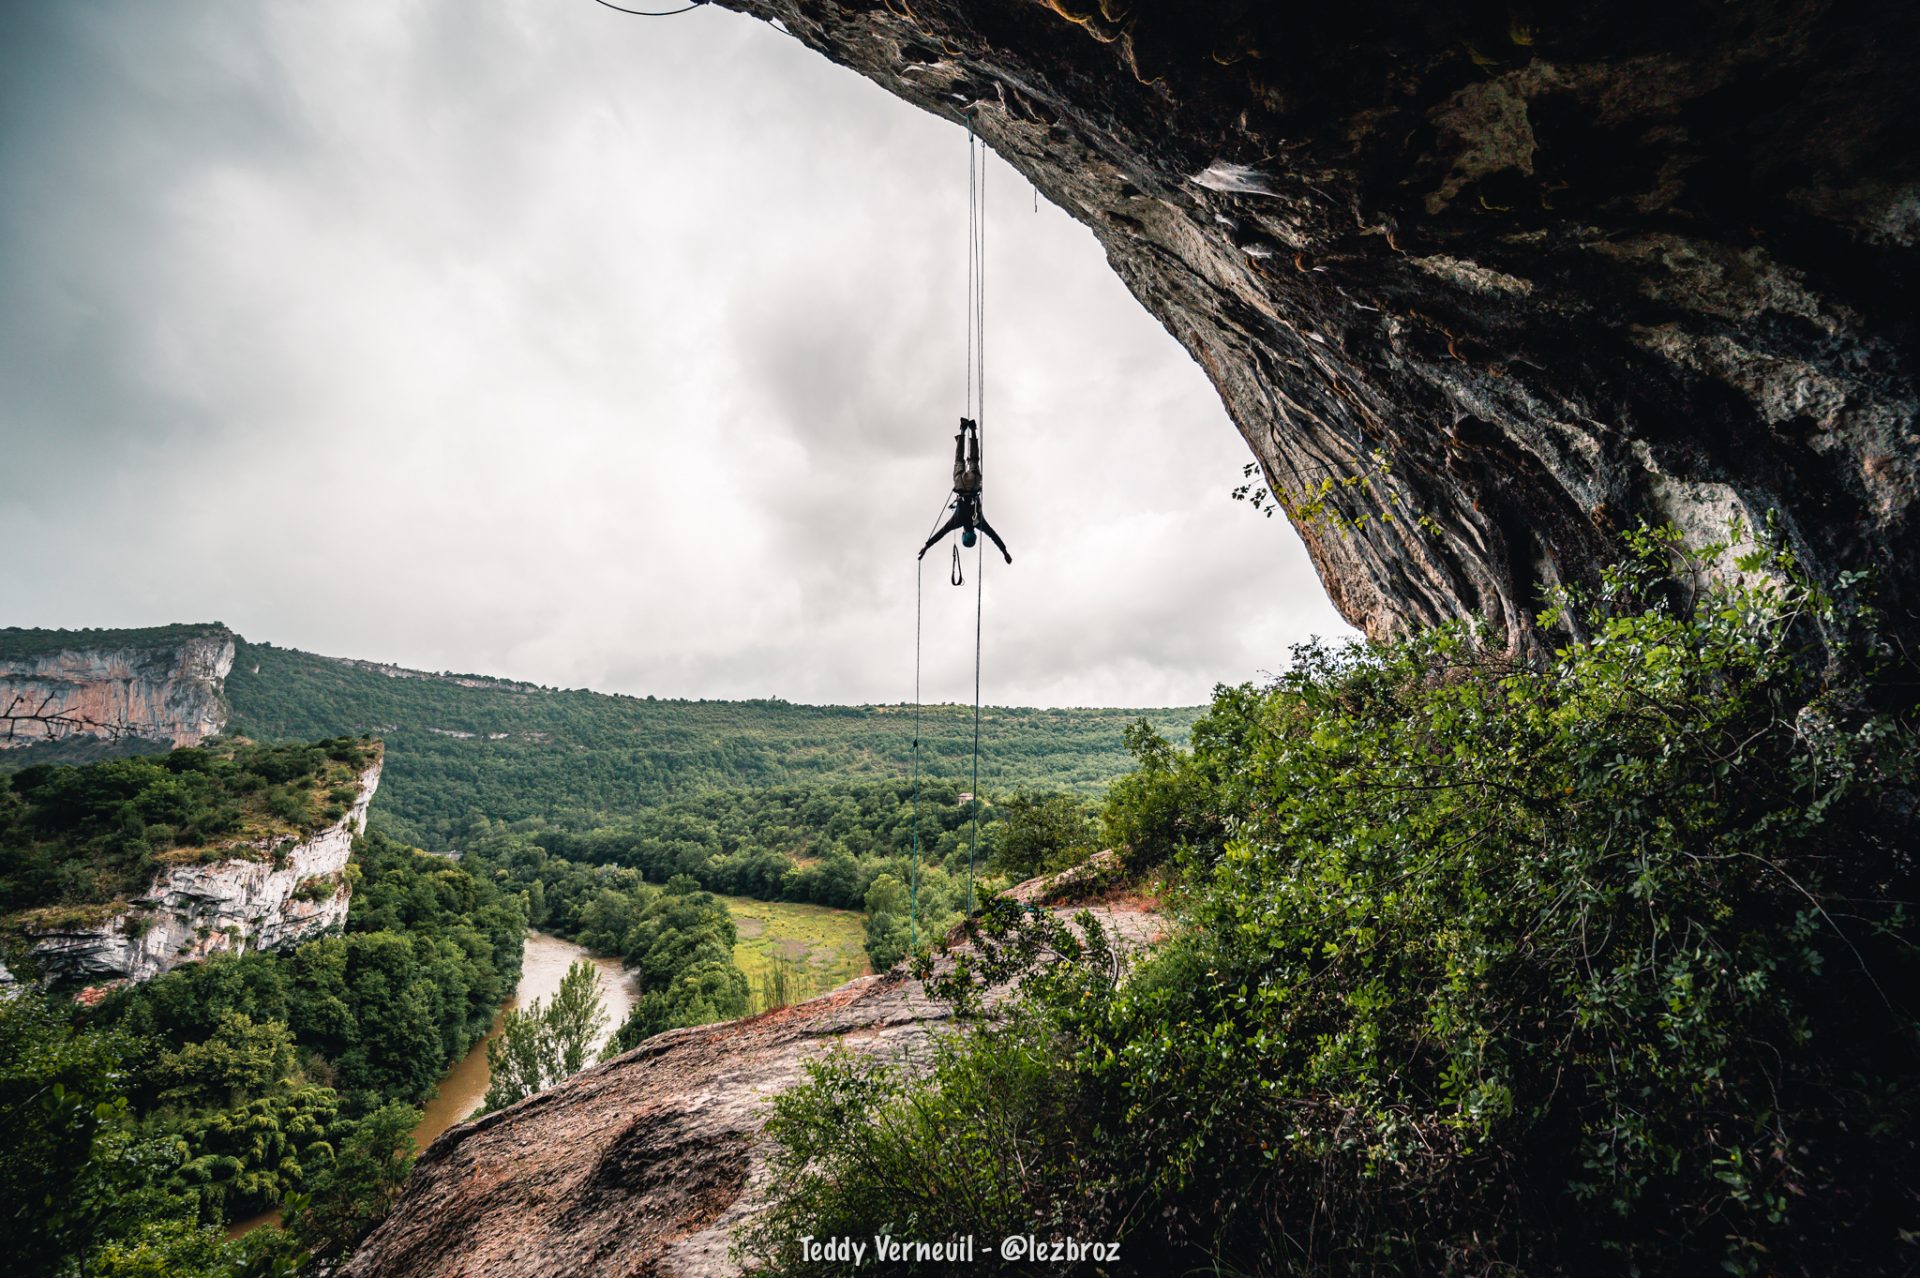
{"type": "Point", "coordinates": [967, 517]}
{"type": "Point", "coordinates": [652, 13]}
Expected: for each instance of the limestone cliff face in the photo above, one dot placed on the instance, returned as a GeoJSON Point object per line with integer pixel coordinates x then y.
{"type": "Point", "coordinates": [165, 691]}
{"type": "Point", "coordinates": [264, 898]}
{"type": "Point", "coordinates": [1484, 284]}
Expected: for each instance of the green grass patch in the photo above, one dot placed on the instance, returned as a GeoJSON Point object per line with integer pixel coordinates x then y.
{"type": "Point", "coordinates": [827, 947]}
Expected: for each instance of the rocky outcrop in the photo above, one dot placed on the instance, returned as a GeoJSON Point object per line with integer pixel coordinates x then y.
{"type": "Point", "coordinates": [1483, 285]}
{"type": "Point", "coordinates": [648, 1163]}
{"type": "Point", "coordinates": [265, 896]}
{"type": "Point", "coordinates": [162, 685]}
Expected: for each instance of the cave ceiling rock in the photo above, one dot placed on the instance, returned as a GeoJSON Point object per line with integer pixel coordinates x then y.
{"type": "Point", "coordinates": [1484, 285]}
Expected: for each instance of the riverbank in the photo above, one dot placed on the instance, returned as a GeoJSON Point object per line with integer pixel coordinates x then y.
{"type": "Point", "coordinates": [544, 960]}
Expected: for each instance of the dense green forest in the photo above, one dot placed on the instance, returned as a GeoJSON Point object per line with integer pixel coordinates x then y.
{"type": "Point", "coordinates": [137, 1125]}
{"type": "Point", "coordinates": [762, 798]}
{"type": "Point", "coordinates": [819, 844]}
{"type": "Point", "coordinates": [461, 746]}
{"type": "Point", "coordinates": [75, 836]}
{"type": "Point", "coordinates": [1601, 965]}
{"type": "Point", "coordinates": [21, 643]}
{"type": "Point", "coordinates": [849, 846]}
{"type": "Point", "coordinates": [135, 1129]}
{"type": "Point", "coordinates": [676, 938]}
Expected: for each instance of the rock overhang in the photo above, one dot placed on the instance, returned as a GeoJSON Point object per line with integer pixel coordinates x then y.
{"type": "Point", "coordinates": [1484, 286]}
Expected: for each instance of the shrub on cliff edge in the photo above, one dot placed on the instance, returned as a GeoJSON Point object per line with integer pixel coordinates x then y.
{"type": "Point", "coordinates": [1604, 965]}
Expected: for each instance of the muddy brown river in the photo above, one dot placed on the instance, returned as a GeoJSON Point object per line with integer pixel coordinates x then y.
{"type": "Point", "coordinates": [544, 961]}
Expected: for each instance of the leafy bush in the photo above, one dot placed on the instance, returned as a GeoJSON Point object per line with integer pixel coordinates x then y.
{"type": "Point", "coordinates": [1042, 833]}
{"type": "Point", "coordinates": [170, 1249]}
{"type": "Point", "coordinates": [853, 1144]}
{"type": "Point", "coordinates": [244, 1159]}
{"type": "Point", "coordinates": [357, 1190]}
{"type": "Point", "coordinates": [315, 888]}
{"type": "Point", "coordinates": [57, 1091]}
{"type": "Point", "coordinates": [541, 1045]}
{"type": "Point", "coordinates": [1602, 965]}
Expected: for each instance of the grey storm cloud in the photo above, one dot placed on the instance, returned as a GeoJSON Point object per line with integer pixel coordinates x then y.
{"type": "Point", "coordinates": [530, 339]}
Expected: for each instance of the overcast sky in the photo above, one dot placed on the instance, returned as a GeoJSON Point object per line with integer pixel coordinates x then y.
{"type": "Point", "coordinates": [525, 338]}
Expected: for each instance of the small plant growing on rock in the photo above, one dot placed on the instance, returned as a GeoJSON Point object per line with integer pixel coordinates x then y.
{"type": "Point", "coordinates": [316, 888]}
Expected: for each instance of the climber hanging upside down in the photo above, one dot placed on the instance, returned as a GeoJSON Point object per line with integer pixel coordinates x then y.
{"type": "Point", "coordinates": [966, 493]}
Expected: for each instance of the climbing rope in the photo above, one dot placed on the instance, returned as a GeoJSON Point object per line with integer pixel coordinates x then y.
{"type": "Point", "coordinates": [976, 397]}
{"type": "Point", "coordinates": [977, 300]}
{"type": "Point", "coordinates": [973, 842]}
{"type": "Point", "coordinates": [979, 597]}
{"type": "Point", "coordinates": [913, 899]}
{"type": "Point", "coordinates": [977, 283]}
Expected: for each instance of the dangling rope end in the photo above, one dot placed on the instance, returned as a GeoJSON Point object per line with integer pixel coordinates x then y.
{"type": "Point", "coordinates": [653, 13]}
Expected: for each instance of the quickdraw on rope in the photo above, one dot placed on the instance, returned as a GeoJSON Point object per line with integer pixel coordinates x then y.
{"type": "Point", "coordinates": [956, 576]}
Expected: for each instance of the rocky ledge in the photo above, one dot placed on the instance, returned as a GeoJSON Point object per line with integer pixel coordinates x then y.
{"type": "Point", "coordinates": [647, 1164]}
{"type": "Point", "coordinates": [265, 896]}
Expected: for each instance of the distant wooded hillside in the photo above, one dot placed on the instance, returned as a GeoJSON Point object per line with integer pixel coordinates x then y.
{"type": "Point", "coordinates": [461, 746]}
{"type": "Point", "coordinates": [19, 643]}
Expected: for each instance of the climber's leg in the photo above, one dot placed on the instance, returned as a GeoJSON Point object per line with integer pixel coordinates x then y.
{"type": "Point", "coordinates": [987, 528]}
{"type": "Point", "coordinates": [959, 520]}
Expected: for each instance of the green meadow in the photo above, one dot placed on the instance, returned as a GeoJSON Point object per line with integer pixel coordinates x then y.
{"type": "Point", "coordinates": [824, 946]}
